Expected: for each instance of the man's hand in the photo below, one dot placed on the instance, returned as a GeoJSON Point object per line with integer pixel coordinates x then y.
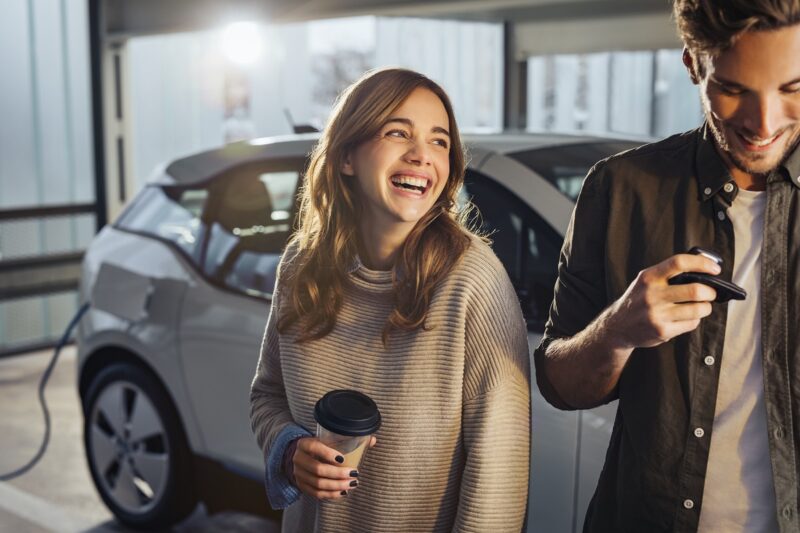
{"type": "Point", "coordinates": [652, 312]}
{"type": "Point", "coordinates": [318, 472]}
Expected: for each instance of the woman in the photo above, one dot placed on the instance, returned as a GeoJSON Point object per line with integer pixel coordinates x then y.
{"type": "Point", "coordinates": [383, 290]}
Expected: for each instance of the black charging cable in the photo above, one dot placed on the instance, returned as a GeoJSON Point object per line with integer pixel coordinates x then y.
{"type": "Point", "coordinates": [42, 384]}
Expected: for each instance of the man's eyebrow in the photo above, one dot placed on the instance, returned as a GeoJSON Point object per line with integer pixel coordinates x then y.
{"type": "Point", "coordinates": [723, 81]}
{"type": "Point", "coordinates": [410, 123]}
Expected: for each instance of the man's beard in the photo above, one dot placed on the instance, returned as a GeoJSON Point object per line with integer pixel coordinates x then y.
{"type": "Point", "coordinates": [740, 163]}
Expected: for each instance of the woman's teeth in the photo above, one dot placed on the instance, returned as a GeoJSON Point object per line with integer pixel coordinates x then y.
{"type": "Point", "coordinates": [410, 183]}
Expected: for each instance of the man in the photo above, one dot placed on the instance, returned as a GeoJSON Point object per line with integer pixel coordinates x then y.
{"type": "Point", "coordinates": [708, 424]}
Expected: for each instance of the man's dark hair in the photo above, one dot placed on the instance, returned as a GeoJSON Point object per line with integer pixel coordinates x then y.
{"type": "Point", "coordinates": [711, 26]}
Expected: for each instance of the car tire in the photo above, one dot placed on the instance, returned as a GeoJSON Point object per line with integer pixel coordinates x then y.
{"type": "Point", "coordinates": [136, 448]}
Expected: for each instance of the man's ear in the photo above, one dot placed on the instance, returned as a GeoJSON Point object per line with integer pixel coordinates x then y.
{"type": "Point", "coordinates": [689, 63]}
{"type": "Point", "coordinates": [347, 167]}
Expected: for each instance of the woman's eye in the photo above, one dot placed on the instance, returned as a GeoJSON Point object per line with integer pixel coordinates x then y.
{"type": "Point", "coordinates": [440, 142]}
{"type": "Point", "coordinates": [794, 89]}
{"type": "Point", "coordinates": [396, 133]}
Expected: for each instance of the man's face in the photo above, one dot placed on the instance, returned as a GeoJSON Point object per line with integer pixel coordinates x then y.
{"type": "Point", "coordinates": [751, 98]}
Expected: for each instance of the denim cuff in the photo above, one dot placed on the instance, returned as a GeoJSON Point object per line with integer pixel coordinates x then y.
{"type": "Point", "coordinates": [280, 492]}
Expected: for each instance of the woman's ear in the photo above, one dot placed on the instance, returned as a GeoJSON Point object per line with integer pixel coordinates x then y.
{"type": "Point", "coordinates": [347, 167]}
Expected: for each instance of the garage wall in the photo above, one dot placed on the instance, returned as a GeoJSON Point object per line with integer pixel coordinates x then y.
{"type": "Point", "coordinates": [45, 148]}
{"type": "Point", "coordinates": [45, 134]}
{"type": "Point", "coordinates": [650, 31]}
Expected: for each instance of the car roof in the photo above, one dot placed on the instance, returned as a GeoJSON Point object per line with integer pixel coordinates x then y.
{"type": "Point", "coordinates": [203, 166]}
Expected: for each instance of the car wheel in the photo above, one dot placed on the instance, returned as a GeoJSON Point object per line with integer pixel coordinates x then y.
{"type": "Point", "coordinates": [136, 448]}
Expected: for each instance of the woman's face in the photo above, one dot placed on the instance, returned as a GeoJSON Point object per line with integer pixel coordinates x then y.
{"type": "Point", "coordinates": [401, 171]}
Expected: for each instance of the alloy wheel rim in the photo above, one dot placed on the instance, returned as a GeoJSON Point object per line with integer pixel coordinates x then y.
{"type": "Point", "coordinates": [130, 449]}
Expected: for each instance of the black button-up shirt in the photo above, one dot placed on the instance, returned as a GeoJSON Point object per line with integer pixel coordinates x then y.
{"type": "Point", "coordinates": [635, 210]}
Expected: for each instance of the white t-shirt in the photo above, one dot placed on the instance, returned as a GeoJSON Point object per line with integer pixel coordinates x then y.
{"type": "Point", "coordinates": [738, 494]}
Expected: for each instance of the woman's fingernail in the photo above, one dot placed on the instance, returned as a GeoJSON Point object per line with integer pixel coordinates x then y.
{"type": "Point", "coordinates": [354, 483]}
{"type": "Point", "coordinates": [344, 493]}
{"type": "Point", "coordinates": [354, 473]}
{"type": "Point", "coordinates": [339, 459]}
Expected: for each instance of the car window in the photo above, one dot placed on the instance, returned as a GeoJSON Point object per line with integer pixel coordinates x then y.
{"type": "Point", "coordinates": [566, 166]}
{"type": "Point", "coordinates": [168, 213]}
{"type": "Point", "coordinates": [250, 224]}
{"type": "Point", "coordinates": [526, 245]}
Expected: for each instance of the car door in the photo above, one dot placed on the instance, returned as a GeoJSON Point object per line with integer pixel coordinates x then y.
{"type": "Point", "coordinates": [528, 248]}
{"type": "Point", "coordinates": [249, 220]}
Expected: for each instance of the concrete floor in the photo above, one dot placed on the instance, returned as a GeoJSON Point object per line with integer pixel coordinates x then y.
{"type": "Point", "coordinates": [58, 494]}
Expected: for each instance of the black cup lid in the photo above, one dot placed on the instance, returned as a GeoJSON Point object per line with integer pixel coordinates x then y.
{"type": "Point", "coordinates": [348, 412]}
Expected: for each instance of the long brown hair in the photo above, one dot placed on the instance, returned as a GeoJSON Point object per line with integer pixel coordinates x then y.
{"type": "Point", "coordinates": [326, 241]}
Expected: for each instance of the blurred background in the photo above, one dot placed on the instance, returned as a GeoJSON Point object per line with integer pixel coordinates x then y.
{"type": "Point", "coordinates": [95, 95]}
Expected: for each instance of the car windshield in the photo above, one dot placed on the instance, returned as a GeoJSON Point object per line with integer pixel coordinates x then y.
{"type": "Point", "coordinates": [566, 166]}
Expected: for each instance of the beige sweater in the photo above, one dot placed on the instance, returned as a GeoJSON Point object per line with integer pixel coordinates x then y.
{"type": "Point", "coordinates": [453, 450]}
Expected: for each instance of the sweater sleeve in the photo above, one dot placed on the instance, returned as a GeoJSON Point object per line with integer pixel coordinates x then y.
{"type": "Point", "coordinates": [280, 491]}
{"type": "Point", "coordinates": [496, 408]}
{"type": "Point", "coordinates": [269, 407]}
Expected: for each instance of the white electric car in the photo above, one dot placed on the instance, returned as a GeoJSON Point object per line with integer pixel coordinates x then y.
{"type": "Point", "coordinates": [180, 288]}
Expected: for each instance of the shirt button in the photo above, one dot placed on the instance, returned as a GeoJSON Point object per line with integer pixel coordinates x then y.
{"type": "Point", "coordinates": [698, 432]}
{"type": "Point", "coordinates": [728, 187]}
{"type": "Point", "coordinates": [787, 512]}
{"type": "Point", "coordinates": [707, 190]}
{"type": "Point", "coordinates": [709, 360]}
{"type": "Point", "coordinates": [721, 215]}
{"type": "Point", "coordinates": [690, 504]}
{"type": "Point", "coordinates": [778, 433]}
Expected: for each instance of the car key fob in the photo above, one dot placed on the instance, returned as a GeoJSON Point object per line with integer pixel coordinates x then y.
{"type": "Point", "coordinates": [726, 290]}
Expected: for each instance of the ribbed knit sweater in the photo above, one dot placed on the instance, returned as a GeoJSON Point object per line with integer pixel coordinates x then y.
{"type": "Point", "coordinates": [453, 450]}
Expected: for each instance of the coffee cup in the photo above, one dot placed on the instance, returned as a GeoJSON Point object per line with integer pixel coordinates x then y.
{"type": "Point", "coordinates": [346, 421]}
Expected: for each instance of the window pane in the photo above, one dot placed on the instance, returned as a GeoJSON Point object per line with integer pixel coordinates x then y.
{"type": "Point", "coordinates": [250, 229]}
{"type": "Point", "coordinates": [677, 101]}
{"type": "Point", "coordinates": [171, 214]}
{"type": "Point", "coordinates": [35, 319]}
{"type": "Point", "coordinates": [567, 166]}
{"type": "Point", "coordinates": [281, 187]}
{"type": "Point", "coordinates": [526, 245]}
{"type": "Point", "coordinates": [47, 235]}
{"type": "Point", "coordinates": [642, 92]}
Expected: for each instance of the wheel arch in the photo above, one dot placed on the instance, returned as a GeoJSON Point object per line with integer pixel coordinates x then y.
{"type": "Point", "coordinates": [104, 356]}
{"type": "Point", "coordinates": [218, 486]}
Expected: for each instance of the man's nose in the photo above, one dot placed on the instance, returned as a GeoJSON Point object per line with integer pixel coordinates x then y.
{"type": "Point", "coordinates": [764, 116]}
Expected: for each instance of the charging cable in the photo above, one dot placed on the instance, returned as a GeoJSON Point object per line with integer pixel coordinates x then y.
{"type": "Point", "coordinates": [42, 384]}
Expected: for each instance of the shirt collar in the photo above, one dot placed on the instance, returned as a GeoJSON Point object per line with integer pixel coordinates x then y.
{"type": "Point", "coordinates": [792, 166]}
{"type": "Point", "coordinates": [712, 173]}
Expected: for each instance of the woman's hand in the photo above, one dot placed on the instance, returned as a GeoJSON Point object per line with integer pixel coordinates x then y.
{"type": "Point", "coordinates": [317, 470]}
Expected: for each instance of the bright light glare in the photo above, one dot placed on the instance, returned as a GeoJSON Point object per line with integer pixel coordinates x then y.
{"type": "Point", "coordinates": [241, 42]}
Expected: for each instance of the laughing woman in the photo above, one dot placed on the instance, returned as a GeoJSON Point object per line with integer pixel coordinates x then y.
{"type": "Point", "coordinates": [385, 291]}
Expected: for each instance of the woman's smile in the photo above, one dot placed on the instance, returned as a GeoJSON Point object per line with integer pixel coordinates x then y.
{"type": "Point", "coordinates": [411, 184]}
